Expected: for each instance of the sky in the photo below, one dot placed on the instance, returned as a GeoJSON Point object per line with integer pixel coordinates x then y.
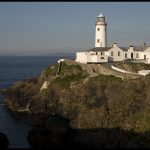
{"type": "Point", "coordinates": [43, 28]}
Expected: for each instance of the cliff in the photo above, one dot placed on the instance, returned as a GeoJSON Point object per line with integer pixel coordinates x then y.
{"type": "Point", "coordinates": [98, 102]}
{"type": "Point", "coordinates": [85, 96]}
{"type": "Point", "coordinates": [132, 67]}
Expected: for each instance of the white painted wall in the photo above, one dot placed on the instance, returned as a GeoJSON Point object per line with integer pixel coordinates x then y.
{"type": "Point", "coordinates": [129, 52]}
{"type": "Point", "coordinates": [105, 56]}
{"type": "Point", "coordinates": [141, 72]}
{"type": "Point", "coordinates": [106, 53]}
{"type": "Point", "coordinates": [100, 34]}
{"type": "Point", "coordinates": [97, 57]}
{"type": "Point", "coordinates": [115, 56]}
{"type": "Point", "coordinates": [147, 57]}
{"type": "Point", "coordinates": [91, 57]}
{"type": "Point", "coordinates": [139, 54]}
{"type": "Point", "coordinates": [142, 55]}
{"type": "Point", "coordinates": [124, 55]}
{"type": "Point", "coordinates": [147, 53]}
{"type": "Point", "coordinates": [147, 49]}
{"type": "Point", "coordinates": [81, 57]}
{"type": "Point", "coordinates": [144, 72]}
{"type": "Point", "coordinates": [120, 70]}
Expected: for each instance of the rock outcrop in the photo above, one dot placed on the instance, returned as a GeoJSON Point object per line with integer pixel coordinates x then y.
{"type": "Point", "coordinates": [58, 134]}
{"type": "Point", "coordinates": [4, 143]}
{"type": "Point", "coordinates": [132, 67]}
{"type": "Point", "coordinates": [89, 96]}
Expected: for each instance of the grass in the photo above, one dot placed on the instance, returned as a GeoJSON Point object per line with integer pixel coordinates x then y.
{"type": "Point", "coordinates": [70, 73]}
{"type": "Point", "coordinates": [105, 78]}
{"type": "Point", "coordinates": [74, 73]}
{"type": "Point", "coordinates": [51, 70]}
{"type": "Point", "coordinates": [65, 81]}
{"type": "Point", "coordinates": [140, 121]}
{"type": "Point", "coordinates": [134, 67]}
{"type": "Point", "coordinates": [73, 69]}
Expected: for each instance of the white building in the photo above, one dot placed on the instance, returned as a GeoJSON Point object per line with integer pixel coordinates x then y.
{"type": "Point", "coordinates": [100, 32]}
{"type": "Point", "coordinates": [101, 53]}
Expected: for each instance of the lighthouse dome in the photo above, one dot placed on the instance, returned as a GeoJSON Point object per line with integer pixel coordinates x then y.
{"type": "Point", "coordinates": [100, 15]}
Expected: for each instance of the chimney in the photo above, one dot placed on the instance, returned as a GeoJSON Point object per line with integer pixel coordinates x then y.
{"type": "Point", "coordinates": [144, 44]}
{"type": "Point", "coordinates": [131, 48]}
{"type": "Point", "coordinates": [114, 44]}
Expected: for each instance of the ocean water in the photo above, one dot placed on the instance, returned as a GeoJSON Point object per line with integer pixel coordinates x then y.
{"type": "Point", "coordinates": [14, 69]}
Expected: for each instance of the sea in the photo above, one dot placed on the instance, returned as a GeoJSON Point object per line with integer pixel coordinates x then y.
{"type": "Point", "coordinates": [13, 69]}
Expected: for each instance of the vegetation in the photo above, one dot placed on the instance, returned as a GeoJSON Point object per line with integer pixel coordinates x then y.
{"type": "Point", "coordinates": [106, 78]}
{"type": "Point", "coordinates": [68, 74]}
{"type": "Point", "coordinates": [132, 67]}
{"type": "Point", "coordinates": [118, 108]}
{"type": "Point", "coordinates": [100, 102]}
{"type": "Point", "coordinates": [51, 70]}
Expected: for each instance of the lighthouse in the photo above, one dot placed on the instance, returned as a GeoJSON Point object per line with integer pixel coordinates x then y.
{"type": "Point", "coordinates": [100, 31]}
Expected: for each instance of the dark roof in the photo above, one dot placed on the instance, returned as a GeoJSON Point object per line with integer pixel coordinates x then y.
{"type": "Point", "coordinates": [124, 48]}
{"type": "Point", "coordinates": [140, 48]}
{"type": "Point", "coordinates": [106, 48]}
{"type": "Point", "coordinates": [137, 48]}
{"type": "Point", "coordinates": [99, 49]}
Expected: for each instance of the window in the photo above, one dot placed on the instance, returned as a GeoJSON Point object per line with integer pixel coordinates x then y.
{"type": "Point", "coordinates": [102, 57]}
{"type": "Point", "coordinates": [112, 54]}
{"type": "Point", "coordinates": [98, 40]}
{"type": "Point", "coordinates": [119, 53]}
{"type": "Point", "coordinates": [102, 53]}
{"type": "Point", "coordinates": [125, 55]}
{"type": "Point", "coordinates": [137, 55]}
{"type": "Point", "coordinates": [98, 29]}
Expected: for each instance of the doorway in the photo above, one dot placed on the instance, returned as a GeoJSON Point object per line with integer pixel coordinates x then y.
{"type": "Point", "coordinates": [144, 57]}
{"type": "Point", "coordinates": [132, 56]}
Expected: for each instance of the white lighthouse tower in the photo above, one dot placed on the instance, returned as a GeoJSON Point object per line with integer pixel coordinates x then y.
{"type": "Point", "coordinates": [100, 32]}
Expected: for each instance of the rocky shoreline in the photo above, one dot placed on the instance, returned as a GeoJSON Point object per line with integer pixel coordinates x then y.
{"type": "Point", "coordinates": [83, 108]}
{"type": "Point", "coordinates": [57, 133]}
{"type": "Point", "coordinates": [4, 143]}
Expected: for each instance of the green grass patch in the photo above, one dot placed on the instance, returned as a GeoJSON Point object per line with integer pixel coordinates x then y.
{"type": "Point", "coordinates": [51, 70]}
{"type": "Point", "coordinates": [140, 121]}
{"type": "Point", "coordinates": [133, 67]}
{"type": "Point", "coordinates": [70, 73]}
{"type": "Point", "coordinates": [64, 82]}
{"type": "Point", "coordinates": [106, 78]}
{"type": "Point", "coordinates": [72, 69]}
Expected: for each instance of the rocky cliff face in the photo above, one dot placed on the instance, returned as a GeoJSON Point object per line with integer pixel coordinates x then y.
{"type": "Point", "coordinates": [132, 67]}
{"type": "Point", "coordinates": [85, 96]}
